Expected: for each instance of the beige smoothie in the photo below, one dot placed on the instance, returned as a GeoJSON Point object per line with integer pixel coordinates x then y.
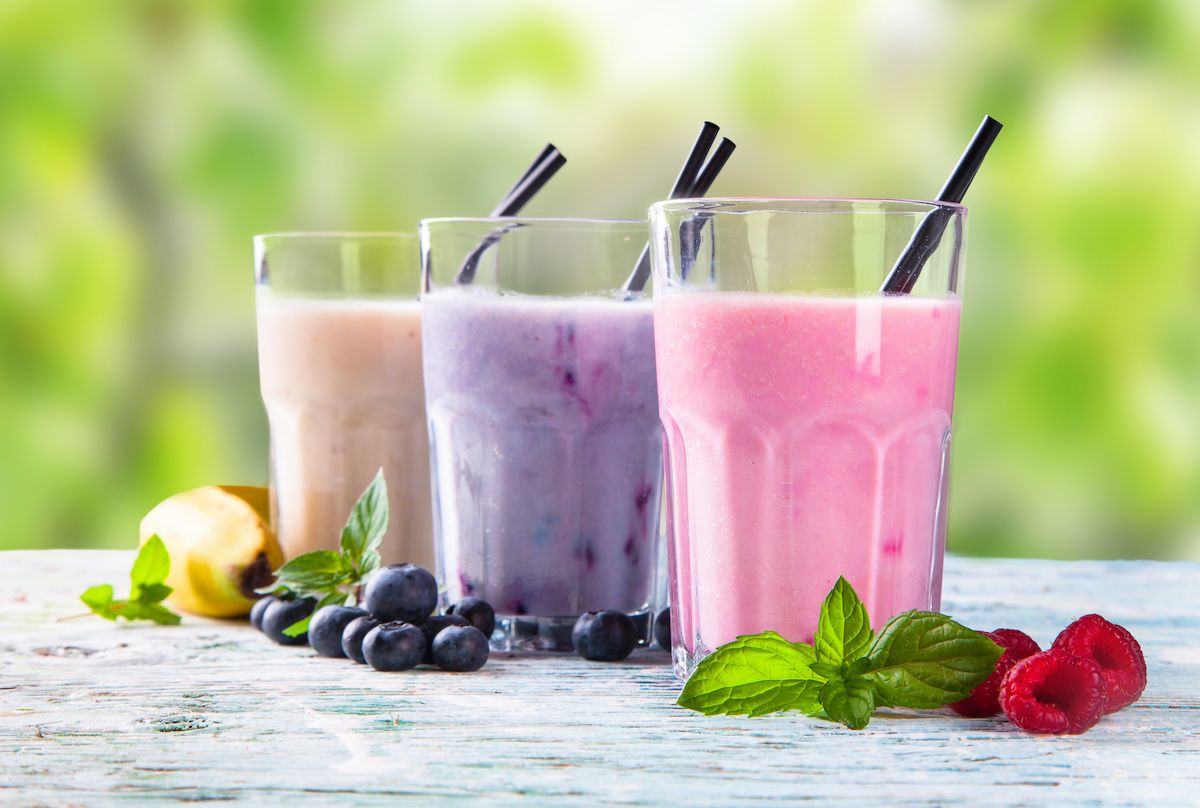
{"type": "Point", "coordinates": [342, 384]}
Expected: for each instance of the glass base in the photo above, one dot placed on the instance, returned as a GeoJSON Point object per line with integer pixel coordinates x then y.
{"type": "Point", "coordinates": [528, 633]}
{"type": "Point", "coordinates": [685, 662]}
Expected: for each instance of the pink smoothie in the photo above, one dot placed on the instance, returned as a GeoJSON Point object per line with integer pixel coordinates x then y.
{"type": "Point", "coordinates": [808, 438]}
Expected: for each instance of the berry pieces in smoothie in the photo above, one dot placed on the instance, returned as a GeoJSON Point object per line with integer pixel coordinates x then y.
{"type": "Point", "coordinates": [1117, 653]}
{"type": "Point", "coordinates": [985, 699]}
{"type": "Point", "coordinates": [1053, 692]}
{"type": "Point", "coordinates": [607, 636]}
{"type": "Point", "coordinates": [403, 592]}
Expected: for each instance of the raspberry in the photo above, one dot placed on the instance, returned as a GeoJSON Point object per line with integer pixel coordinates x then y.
{"type": "Point", "coordinates": [1117, 653]}
{"type": "Point", "coordinates": [985, 699]}
{"type": "Point", "coordinates": [1053, 692]}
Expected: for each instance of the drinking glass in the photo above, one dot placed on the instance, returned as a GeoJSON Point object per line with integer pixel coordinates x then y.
{"type": "Point", "coordinates": [807, 415]}
{"type": "Point", "coordinates": [339, 351]}
{"type": "Point", "coordinates": [543, 421]}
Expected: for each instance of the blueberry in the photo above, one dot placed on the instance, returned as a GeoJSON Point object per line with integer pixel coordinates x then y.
{"type": "Point", "coordinates": [460, 649]}
{"type": "Point", "coordinates": [325, 630]}
{"type": "Point", "coordinates": [606, 636]}
{"type": "Point", "coordinates": [402, 592]}
{"type": "Point", "coordinates": [478, 612]}
{"type": "Point", "coordinates": [259, 609]}
{"type": "Point", "coordinates": [283, 613]}
{"type": "Point", "coordinates": [435, 624]}
{"type": "Point", "coordinates": [662, 629]}
{"type": "Point", "coordinates": [394, 646]}
{"type": "Point", "coordinates": [353, 634]}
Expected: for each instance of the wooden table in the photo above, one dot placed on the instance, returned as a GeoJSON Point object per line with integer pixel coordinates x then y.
{"type": "Point", "coordinates": [93, 713]}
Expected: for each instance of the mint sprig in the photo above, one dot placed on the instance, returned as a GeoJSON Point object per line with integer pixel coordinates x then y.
{"type": "Point", "coordinates": [146, 590]}
{"type": "Point", "coordinates": [921, 660]}
{"type": "Point", "coordinates": [331, 576]}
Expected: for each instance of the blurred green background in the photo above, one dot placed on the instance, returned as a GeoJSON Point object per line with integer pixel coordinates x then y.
{"type": "Point", "coordinates": [143, 143]}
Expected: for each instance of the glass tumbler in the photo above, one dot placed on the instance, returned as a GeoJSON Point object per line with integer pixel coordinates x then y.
{"type": "Point", "coordinates": [543, 421]}
{"type": "Point", "coordinates": [807, 414]}
{"type": "Point", "coordinates": [339, 353]}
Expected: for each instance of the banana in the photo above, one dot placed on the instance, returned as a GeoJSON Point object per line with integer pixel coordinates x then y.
{"type": "Point", "coordinates": [221, 545]}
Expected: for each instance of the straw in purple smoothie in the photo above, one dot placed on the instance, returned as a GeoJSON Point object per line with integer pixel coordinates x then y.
{"type": "Point", "coordinates": [539, 172]}
{"type": "Point", "coordinates": [924, 241]}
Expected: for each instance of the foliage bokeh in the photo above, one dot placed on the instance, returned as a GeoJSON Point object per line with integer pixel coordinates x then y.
{"type": "Point", "coordinates": [142, 143]}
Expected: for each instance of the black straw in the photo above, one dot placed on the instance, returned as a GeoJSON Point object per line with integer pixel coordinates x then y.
{"type": "Point", "coordinates": [906, 270]}
{"type": "Point", "coordinates": [712, 168]}
{"type": "Point", "coordinates": [691, 166]}
{"type": "Point", "coordinates": [695, 178]}
{"type": "Point", "coordinates": [691, 230]}
{"type": "Point", "coordinates": [539, 172]}
{"type": "Point", "coordinates": [530, 184]}
{"type": "Point", "coordinates": [547, 150]}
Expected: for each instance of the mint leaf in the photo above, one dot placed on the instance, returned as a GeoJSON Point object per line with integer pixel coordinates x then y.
{"type": "Point", "coordinates": [849, 701]}
{"type": "Point", "coordinates": [843, 628]}
{"type": "Point", "coordinates": [754, 675]}
{"type": "Point", "coordinates": [925, 660]}
{"type": "Point", "coordinates": [159, 614]}
{"type": "Point", "coordinates": [146, 577]}
{"type": "Point", "coordinates": [367, 524]}
{"type": "Point", "coordinates": [99, 599]}
{"type": "Point", "coordinates": [313, 572]}
{"type": "Point", "coordinates": [152, 593]}
{"type": "Point", "coordinates": [826, 669]}
{"type": "Point", "coordinates": [152, 563]}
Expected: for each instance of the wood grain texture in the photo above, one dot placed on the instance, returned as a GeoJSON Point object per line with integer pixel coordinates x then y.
{"type": "Point", "coordinates": [93, 713]}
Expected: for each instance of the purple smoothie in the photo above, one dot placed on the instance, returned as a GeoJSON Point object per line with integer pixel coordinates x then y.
{"type": "Point", "coordinates": [546, 450]}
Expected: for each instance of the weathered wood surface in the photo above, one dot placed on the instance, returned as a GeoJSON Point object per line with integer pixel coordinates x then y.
{"type": "Point", "coordinates": [93, 713]}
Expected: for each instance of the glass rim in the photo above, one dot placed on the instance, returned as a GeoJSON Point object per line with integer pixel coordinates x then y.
{"type": "Point", "coordinates": [795, 204]}
{"type": "Point", "coordinates": [561, 221]}
{"type": "Point", "coordinates": [336, 235]}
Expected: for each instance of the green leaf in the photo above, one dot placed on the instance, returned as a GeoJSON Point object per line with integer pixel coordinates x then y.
{"type": "Point", "coordinates": [152, 593]}
{"type": "Point", "coordinates": [159, 614]}
{"type": "Point", "coordinates": [99, 600]}
{"type": "Point", "coordinates": [858, 667]}
{"type": "Point", "coordinates": [368, 564]}
{"type": "Point", "coordinates": [826, 669]}
{"type": "Point", "coordinates": [313, 572]}
{"type": "Point", "coordinates": [152, 563]}
{"type": "Point", "coordinates": [849, 701]}
{"type": "Point", "coordinates": [97, 596]}
{"type": "Point", "coordinates": [754, 675]}
{"type": "Point", "coordinates": [127, 609]}
{"type": "Point", "coordinates": [367, 523]}
{"type": "Point", "coordinates": [843, 628]}
{"type": "Point", "coordinates": [926, 660]}
{"type": "Point", "coordinates": [149, 570]}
